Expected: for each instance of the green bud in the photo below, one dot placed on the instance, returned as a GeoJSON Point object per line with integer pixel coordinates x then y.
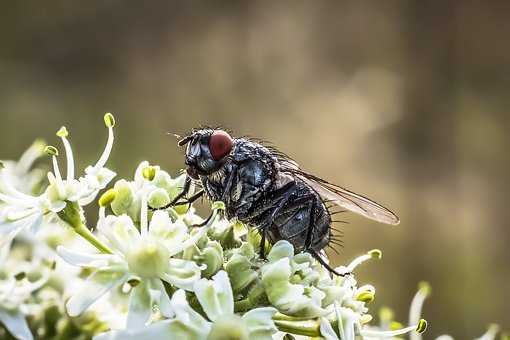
{"type": "Point", "coordinates": [62, 132]}
{"type": "Point", "coordinates": [422, 326]}
{"type": "Point", "coordinates": [2, 165]}
{"type": "Point", "coordinates": [280, 250]}
{"type": "Point", "coordinates": [107, 198]}
{"type": "Point", "coordinates": [212, 257]}
{"type": "Point", "coordinates": [123, 199]}
{"type": "Point", "coordinates": [109, 120]}
{"type": "Point", "coordinates": [51, 150]}
{"type": "Point", "coordinates": [158, 198]}
{"type": "Point", "coordinates": [240, 272]}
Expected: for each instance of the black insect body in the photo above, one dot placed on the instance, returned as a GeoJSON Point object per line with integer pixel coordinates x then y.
{"type": "Point", "coordinates": [263, 187]}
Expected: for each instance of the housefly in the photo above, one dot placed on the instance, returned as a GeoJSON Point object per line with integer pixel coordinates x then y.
{"type": "Point", "coordinates": [265, 188]}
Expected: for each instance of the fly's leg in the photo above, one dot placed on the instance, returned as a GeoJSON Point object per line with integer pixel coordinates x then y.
{"type": "Point", "coordinates": [285, 198]}
{"type": "Point", "coordinates": [191, 199]}
{"type": "Point", "coordinates": [201, 224]}
{"type": "Point", "coordinates": [308, 244]}
{"type": "Point", "coordinates": [184, 192]}
{"type": "Point", "coordinates": [262, 250]}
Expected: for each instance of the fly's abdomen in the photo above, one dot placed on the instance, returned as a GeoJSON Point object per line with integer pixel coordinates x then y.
{"type": "Point", "coordinates": [304, 212]}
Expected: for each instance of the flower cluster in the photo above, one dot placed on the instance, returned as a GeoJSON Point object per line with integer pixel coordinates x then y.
{"type": "Point", "coordinates": [144, 274]}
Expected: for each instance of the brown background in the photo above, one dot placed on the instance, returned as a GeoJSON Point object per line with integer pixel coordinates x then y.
{"type": "Point", "coordinates": [404, 101]}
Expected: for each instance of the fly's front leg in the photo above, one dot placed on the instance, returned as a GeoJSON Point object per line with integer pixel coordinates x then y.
{"type": "Point", "coordinates": [191, 199]}
{"type": "Point", "coordinates": [183, 193]}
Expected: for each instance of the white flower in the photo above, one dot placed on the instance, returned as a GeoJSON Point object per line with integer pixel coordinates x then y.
{"type": "Point", "coordinates": [15, 292]}
{"type": "Point", "coordinates": [22, 211]}
{"type": "Point", "coordinates": [20, 173]}
{"type": "Point", "coordinates": [216, 299]}
{"type": "Point", "coordinates": [143, 258]}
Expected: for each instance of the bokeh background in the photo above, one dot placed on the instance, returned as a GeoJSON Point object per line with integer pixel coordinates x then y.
{"type": "Point", "coordinates": [405, 101]}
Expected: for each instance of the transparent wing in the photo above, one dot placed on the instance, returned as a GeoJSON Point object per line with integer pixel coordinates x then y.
{"type": "Point", "coordinates": [348, 199]}
{"type": "Point", "coordinates": [332, 192]}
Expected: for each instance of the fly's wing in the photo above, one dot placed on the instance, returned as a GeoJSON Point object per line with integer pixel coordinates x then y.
{"type": "Point", "coordinates": [334, 193]}
{"type": "Point", "coordinates": [348, 199]}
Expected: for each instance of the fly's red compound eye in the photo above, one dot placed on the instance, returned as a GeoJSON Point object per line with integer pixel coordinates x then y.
{"type": "Point", "coordinates": [220, 144]}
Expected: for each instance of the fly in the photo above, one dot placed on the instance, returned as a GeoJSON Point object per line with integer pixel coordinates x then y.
{"type": "Point", "coordinates": [265, 188]}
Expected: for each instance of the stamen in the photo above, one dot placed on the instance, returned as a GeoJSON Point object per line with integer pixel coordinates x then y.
{"type": "Point", "coordinates": [28, 158]}
{"type": "Point", "coordinates": [62, 133]}
{"type": "Point", "coordinates": [417, 303]}
{"type": "Point", "coordinates": [110, 123]}
{"type": "Point", "coordinates": [107, 198]}
{"type": "Point", "coordinates": [14, 194]}
{"type": "Point", "coordinates": [372, 254]}
{"type": "Point", "coordinates": [419, 328]}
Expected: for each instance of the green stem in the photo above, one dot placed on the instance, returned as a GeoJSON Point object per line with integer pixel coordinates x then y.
{"type": "Point", "coordinates": [72, 214]}
{"type": "Point", "coordinates": [84, 232]}
{"type": "Point", "coordinates": [309, 328]}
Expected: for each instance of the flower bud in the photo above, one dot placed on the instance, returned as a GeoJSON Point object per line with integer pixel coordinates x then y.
{"type": "Point", "coordinates": [212, 257]}
{"type": "Point", "coordinates": [280, 250]}
{"type": "Point", "coordinates": [158, 198]}
{"type": "Point", "coordinates": [240, 272]}
{"type": "Point", "coordinates": [123, 199]}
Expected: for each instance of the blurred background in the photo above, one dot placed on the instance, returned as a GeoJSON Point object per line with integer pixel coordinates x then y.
{"type": "Point", "coordinates": [404, 101]}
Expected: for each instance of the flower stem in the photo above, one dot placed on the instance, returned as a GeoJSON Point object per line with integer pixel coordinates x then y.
{"type": "Point", "coordinates": [84, 232]}
{"type": "Point", "coordinates": [72, 215]}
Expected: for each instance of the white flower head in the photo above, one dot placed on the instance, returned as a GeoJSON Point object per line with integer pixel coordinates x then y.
{"type": "Point", "coordinates": [216, 300]}
{"type": "Point", "coordinates": [23, 211]}
{"type": "Point", "coordinates": [146, 259]}
{"type": "Point", "coordinates": [15, 292]}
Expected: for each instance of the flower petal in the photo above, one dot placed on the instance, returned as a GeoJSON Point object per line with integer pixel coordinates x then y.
{"type": "Point", "coordinates": [16, 324]}
{"type": "Point", "coordinates": [260, 323]}
{"type": "Point", "coordinates": [327, 331]}
{"type": "Point", "coordinates": [182, 273]}
{"type": "Point", "coordinates": [83, 259]}
{"type": "Point", "coordinates": [165, 307]}
{"type": "Point", "coordinates": [215, 296]}
{"type": "Point", "coordinates": [140, 306]}
{"type": "Point", "coordinates": [120, 231]}
{"type": "Point", "coordinates": [94, 287]}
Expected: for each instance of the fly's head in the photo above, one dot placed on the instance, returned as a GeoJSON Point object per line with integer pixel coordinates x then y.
{"type": "Point", "coordinates": [207, 150]}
